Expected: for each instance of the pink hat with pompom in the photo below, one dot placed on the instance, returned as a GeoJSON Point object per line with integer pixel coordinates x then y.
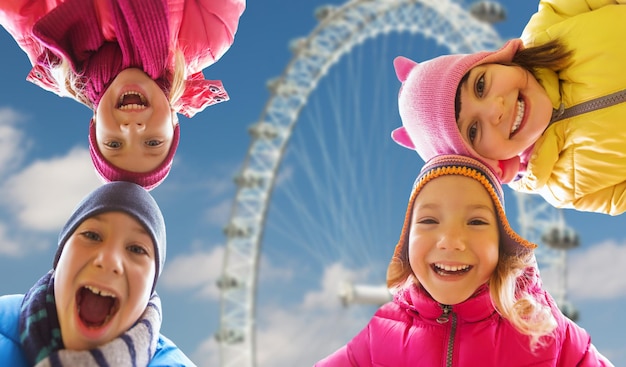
{"type": "Point", "coordinates": [109, 173]}
{"type": "Point", "coordinates": [426, 104]}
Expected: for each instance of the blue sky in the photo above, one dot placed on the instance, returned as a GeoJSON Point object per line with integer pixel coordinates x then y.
{"type": "Point", "coordinates": [313, 243]}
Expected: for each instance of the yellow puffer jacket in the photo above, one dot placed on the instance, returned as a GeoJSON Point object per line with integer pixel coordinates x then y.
{"type": "Point", "coordinates": [580, 162]}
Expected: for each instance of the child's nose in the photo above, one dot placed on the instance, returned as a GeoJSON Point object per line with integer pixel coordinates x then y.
{"type": "Point", "coordinates": [452, 240]}
{"type": "Point", "coordinates": [494, 111]}
{"type": "Point", "coordinates": [135, 125]}
{"type": "Point", "coordinates": [109, 259]}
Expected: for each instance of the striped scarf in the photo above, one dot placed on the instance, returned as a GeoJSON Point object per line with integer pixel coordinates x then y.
{"type": "Point", "coordinates": [40, 334]}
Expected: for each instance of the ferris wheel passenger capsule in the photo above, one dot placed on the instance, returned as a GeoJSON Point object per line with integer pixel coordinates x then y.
{"type": "Point", "coordinates": [488, 11]}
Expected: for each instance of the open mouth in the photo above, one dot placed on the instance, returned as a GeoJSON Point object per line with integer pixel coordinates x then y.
{"type": "Point", "coordinates": [95, 306]}
{"type": "Point", "coordinates": [449, 270]}
{"type": "Point", "coordinates": [519, 117]}
{"type": "Point", "coordinates": [132, 100]}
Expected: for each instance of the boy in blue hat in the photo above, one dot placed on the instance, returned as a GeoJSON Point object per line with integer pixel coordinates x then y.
{"type": "Point", "coordinates": [98, 305]}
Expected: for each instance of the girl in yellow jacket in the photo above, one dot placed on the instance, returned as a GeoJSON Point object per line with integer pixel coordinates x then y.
{"type": "Point", "coordinates": [521, 109]}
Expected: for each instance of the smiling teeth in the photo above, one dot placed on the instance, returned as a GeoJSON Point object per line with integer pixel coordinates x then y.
{"type": "Point", "coordinates": [519, 117]}
{"type": "Point", "coordinates": [132, 106]}
{"type": "Point", "coordinates": [451, 268]}
{"type": "Point", "coordinates": [99, 292]}
{"type": "Point", "coordinates": [133, 93]}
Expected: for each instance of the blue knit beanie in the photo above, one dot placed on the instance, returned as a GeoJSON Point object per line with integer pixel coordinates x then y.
{"type": "Point", "coordinates": [124, 197]}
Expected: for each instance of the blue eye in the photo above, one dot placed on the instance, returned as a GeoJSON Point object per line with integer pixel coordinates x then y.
{"type": "Point", "coordinates": [478, 222]}
{"type": "Point", "coordinates": [90, 235]}
{"type": "Point", "coordinates": [427, 221]}
{"type": "Point", "coordinates": [480, 85]}
{"type": "Point", "coordinates": [472, 132]}
{"type": "Point", "coordinates": [113, 144]}
{"type": "Point", "coordinates": [153, 143]}
{"type": "Point", "coordinates": [137, 250]}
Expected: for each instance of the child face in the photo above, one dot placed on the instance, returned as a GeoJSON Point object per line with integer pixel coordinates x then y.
{"type": "Point", "coordinates": [111, 254]}
{"type": "Point", "coordinates": [134, 122]}
{"type": "Point", "coordinates": [454, 238]}
{"type": "Point", "coordinates": [504, 110]}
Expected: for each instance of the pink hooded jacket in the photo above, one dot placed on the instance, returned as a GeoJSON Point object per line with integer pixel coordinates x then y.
{"type": "Point", "coordinates": [415, 330]}
{"type": "Point", "coordinates": [220, 19]}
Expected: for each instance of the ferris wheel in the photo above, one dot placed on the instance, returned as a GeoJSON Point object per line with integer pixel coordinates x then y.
{"type": "Point", "coordinates": [332, 173]}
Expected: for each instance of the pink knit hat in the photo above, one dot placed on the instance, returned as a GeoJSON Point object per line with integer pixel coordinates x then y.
{"type": "Point", "coordinates": [148, 180]}
{"type": "Point", "coordinates": [426, 103]}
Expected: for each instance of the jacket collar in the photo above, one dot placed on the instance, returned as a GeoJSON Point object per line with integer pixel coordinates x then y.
{"type": "Point", "coordinates": [476, 308]}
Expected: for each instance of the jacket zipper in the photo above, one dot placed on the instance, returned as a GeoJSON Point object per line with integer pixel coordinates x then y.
{"type": "Point", "coordinates": [444, 318]}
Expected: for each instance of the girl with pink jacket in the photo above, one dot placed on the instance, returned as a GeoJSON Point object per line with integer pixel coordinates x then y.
{"type": "Point", "coordinates": [467, 290]}
{"type": "Point", "coordinates": [136, 64]}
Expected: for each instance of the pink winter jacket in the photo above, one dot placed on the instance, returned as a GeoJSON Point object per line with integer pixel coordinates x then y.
{"type": "Point", "coordinates": [218, 20]}
{"type": "Point", "coordinates": [415, 330]}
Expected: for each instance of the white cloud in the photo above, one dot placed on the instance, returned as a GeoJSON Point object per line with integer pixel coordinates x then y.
{"type": "Point", "coordinates": [207, 354]}
{"type": "Point", "coordinates": [269, 273]}
{"type": "Point", "coordinates": [593, 273]}
{"type": "Point", "coordinates": [198, 270]}
{"type": "Point", "coordinates": [219, 214]}
{"type": "Point", "coordinates": [332, 284]}
{"type": "Point", "coordinates": [37, 197]}
{"type": "Point", "coordinates": [222, 186]}
{"type": "Point", "coordinates": [12, 141]}
{"type": "Point", "coordinates": [316, 327]}
{"type": "Point", "coordinates": [302, 334]}
{"type": "Point", "coordinates": [598, 272]}
{"type": "Point", "coordinates": [43, 195]}
{"type": "Point", "coordinates": [8, 246]}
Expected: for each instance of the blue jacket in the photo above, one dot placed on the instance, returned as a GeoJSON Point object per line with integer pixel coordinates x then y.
{"type": "Point", "coordinates": [11, 354]}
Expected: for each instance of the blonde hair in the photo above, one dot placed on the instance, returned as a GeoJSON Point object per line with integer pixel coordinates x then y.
{"type": "Point", "coordinates": [508, 287]}
{"type": "Point", "coordinates": [509, 294]}
{"type": "Point", "coordinates": [69, 83]}
{"type": "Point", "coordinates": [177, 89]}
{"type": "Point", "coordinates": [72, 85]}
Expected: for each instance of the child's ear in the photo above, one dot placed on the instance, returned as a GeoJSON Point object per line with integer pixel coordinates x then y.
{"type": "Point", "coordinates": [174, 117]}
{"type": "Point", "coordinates": [505, 170]}
{"type": "Point", "coordinates": [508, 169]}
